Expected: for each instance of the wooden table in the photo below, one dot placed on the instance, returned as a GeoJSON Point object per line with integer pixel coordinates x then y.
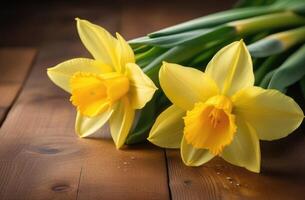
{"type": "Point", "coordinates": [42, 158]}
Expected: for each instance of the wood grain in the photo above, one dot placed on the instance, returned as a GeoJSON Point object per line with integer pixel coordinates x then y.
{"type": "Point", "coordinates": [137, 172]}
{"type": "Point", "coordinates": [134, 173]}
{"type": "Point", "coordinates": [15, 64]}
{"type": "Point", "coordinates": [282, 172]}
{"type": "Point", "coordinates": [42, 158]}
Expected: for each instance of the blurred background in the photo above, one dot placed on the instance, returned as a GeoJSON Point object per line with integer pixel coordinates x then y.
{"type": "Point", "coordinates": [35, 23]}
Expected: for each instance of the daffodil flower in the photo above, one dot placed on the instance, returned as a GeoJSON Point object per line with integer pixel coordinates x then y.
{"type": "Point", "coordinates": [220, 112]}
{"type": "Point", "coordinates": [109, 87]}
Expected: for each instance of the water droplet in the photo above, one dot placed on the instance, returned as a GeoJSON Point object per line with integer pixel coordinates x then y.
{"type": "Point", "coordinates": [237, 184]}
{"type": "Point", "coordinates": [125, 163]}
{"type": "Point", "coordinates": [218, 173]}
{"type": "Point", "coordinates": [132, 157]}
{"type": "Point", "coordinates": [229, 178]}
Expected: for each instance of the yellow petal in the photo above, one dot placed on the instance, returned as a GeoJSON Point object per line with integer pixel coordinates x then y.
{"type": "Point", "coordinates": [167, 131]}
{"type": "Point", "coordinates": [62, 73]}
{"type": "Point", "coordinates": [141, 88]}
{"type": "Point", "coordinates": [244, 151]}
{"type": "Point", "coordinates": [272, 114]}
{"type": "Point", "coordinates": [231, 68]}
{"type": "Point", "coordinates": [185, 86]}
{"type": "Point", "coordinates": [124, 53]}
{"type": "Point", "coordinates": [192, 156]}
{"type": "Point", "coordinates": [85, 126]}
{"type": "Point", "coordinates": [121, 122]}
{"type": "Point", "coordinates": [98, 42]}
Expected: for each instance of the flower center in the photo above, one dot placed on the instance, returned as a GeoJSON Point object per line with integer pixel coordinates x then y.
{"type": "Point", "coordinates": [210, 125]}
{"type": "Point", "coordinates": [94, 93]}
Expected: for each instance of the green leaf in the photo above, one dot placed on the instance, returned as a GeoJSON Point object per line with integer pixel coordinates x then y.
{"type": "Point", "coordinates": [266, 66]}
{"type": "Point", "coordinates": [202, 59]}
{"type": "Point", "coordinates": [270, 63]}
{"type": "Point", "coordinates": [141, 49]}
{"type": "Point", "coordinates": [291, 71]}
{"type": "Point", "coordinates": [254, 38]}
{"type": "Point", "coordinates": [215, 20]}
{"type": "Point", "coordinates": [182, 53]}
{"type": "Point", "coordinates": [266, 22]}
{"type": "Point", "coordinates": [266, 80]}
{"type": "Point", "coordinates": [147, 57]}
{"type": "Point", "coordinates": [277, 43]}
{"type": "Point", "coordinates": [169, 40]}
{"type": "Point", "coordinates": [248, 3]}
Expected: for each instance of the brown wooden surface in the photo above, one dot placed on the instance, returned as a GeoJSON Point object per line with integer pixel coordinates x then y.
{"type": "Point", "coordinates": [42, 158]}
{"type": "Point", "coordinates": [14, 66]}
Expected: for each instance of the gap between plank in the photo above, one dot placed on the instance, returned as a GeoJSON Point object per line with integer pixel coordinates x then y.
{"type": "Point", "coordinates": [167, 175]}
{"type": "Point", "coordinates": [79, 180]}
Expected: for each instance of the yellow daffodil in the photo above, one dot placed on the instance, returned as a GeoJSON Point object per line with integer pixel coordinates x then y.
{"type": "Point", "coordinates": [109, 87]}
{"type": "Point", "coordinates": [220, 112]}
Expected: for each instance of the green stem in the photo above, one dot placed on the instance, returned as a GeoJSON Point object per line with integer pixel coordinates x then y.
{"type": "Point", "coordinates": [277, 43]}
{"type": "Point", "coordinates": [168, 41]}
{"type": "Point", "coordinates": [291, 37]}
{"type": "Point", "coordinates": [267, 22]}
{"type": "Point", "coordinates": [266, 79]}
{"type": "Point", "coordinates": [216, 19]}
{"type": "Point", "coordinates": [182, 53]}
{"type": "Point", "coordinates": [268, 65]}
{"type": "Point", "coordinates": [291, 71]}
{"type": "Point", "coordinates": [147, 57]}
{"type": "Point", "coordinates": [141, 49]}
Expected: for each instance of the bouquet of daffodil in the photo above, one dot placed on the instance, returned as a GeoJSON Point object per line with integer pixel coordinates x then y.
{"type": "Point", "coordinates": [223, 111]}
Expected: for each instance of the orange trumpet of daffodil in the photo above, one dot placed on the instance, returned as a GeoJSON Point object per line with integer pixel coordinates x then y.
{"type": "Point", "coordinates": [220, 112]}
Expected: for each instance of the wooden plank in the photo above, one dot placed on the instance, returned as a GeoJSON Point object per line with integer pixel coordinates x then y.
{"type": "Point", "coordinates": [157, 17]}
{"type": "Point", "coordinates": [39, 152]}
{"type": "Point", "coordinates": [42, 158]}
{"type": "Point", "coordinates": [282, 172]}
{"type": "Point", "coordinates": [282, 175]}
{"type": "Point", "coordinates": [138, 172]}
{"type": "Point", "coordinates": [50, 161]}
{"type": "Point", "coordinates": [135, 173]}
{"type": "Point", "coordinates": [283, 161]}
{"type": "Point", "coordinates": [14, 67]}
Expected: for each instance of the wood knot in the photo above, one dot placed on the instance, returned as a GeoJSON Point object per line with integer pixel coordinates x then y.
{"type": "Point", "coordinates": [187, 182]}
{"type": "Point", "coordinates": [48, 150]}
{"type": "Point", "coordinates": [60, 188]}
{"type": "Point", "coordinates": [53, 146]}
